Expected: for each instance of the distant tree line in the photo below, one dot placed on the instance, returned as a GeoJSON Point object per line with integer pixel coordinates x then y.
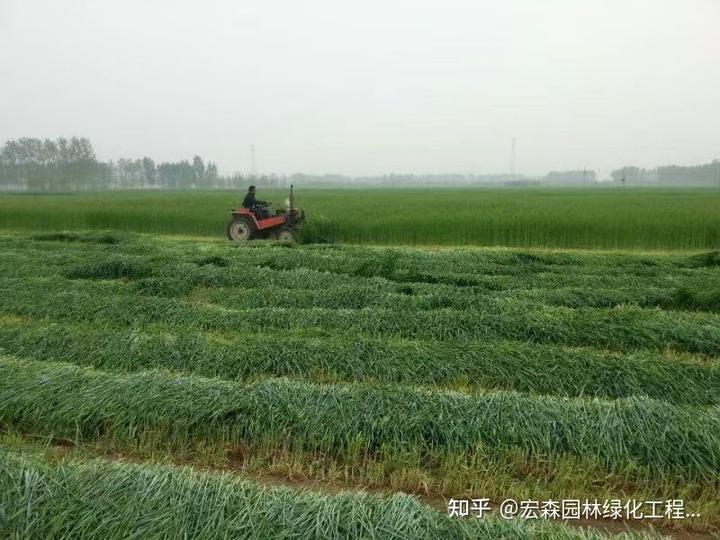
{"type": "Point", "coordinates": [413, 179]}
{"type": "Point", "coordinates": [70, 164]}
{"type": "Point", "coordinates": [145, 173]}
{"type": "Point", "coordinates": [579, 177]}
{"type": "Point", "coordinates": [671, 175]}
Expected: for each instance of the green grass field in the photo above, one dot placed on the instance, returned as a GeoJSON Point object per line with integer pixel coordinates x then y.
{"type": "Point", "coordinates": [134, 368]}
{"type": "Point", "coordinates": [608, 218]}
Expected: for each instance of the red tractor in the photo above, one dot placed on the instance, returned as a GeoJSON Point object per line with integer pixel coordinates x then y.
{"type": "Point", "coordinates": [246, 224]}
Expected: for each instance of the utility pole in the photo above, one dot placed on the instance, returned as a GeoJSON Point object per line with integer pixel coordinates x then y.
{"type": "Point", "coordinates": [253, 168]}
{"type": "Point", "coordinates": [584, 173]}
{"type": "Point", "coordinates": [623, 177]}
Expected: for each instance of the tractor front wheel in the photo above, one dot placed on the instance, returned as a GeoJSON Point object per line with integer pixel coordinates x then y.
{"type": "Point", "coordinates": [286, 234]}
{"type": "Point", "coordinates": [240, 230]}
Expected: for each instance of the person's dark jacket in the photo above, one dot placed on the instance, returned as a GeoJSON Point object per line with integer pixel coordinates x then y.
{"type": "Point", "coordinates": [250, 201]}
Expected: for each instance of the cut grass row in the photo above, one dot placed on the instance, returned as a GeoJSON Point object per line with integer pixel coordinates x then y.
{"type": "Point", "coordinates": [364, 261]}
{"type": "Point", "coordinates": [468, 365]}
{"type": "Point", "coordinates": [364, 277]}
{"type": "Point", "coordinates": [493, 473]}
{"type": "Point", "coordinates": [631, 435]}
{"type": "Point", "coordinates": [381, 261]}
{"type": "Point", "coordinates": [118, 500]}
{"type": "Point", "coordinates": [262, 287]}
{"type": "Point", "coordinates": [409, 298]}
{"type": "Point", "coordinates": [623, 328]}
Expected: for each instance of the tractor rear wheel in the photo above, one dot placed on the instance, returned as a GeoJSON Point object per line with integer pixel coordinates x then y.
{"type": "Point", "coordinates": [286, 234]}
{"type": "Point", "coordinates": [240, 230]}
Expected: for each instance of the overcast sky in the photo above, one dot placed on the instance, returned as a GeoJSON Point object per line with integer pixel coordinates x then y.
{"type": "Point", "coordinates": [371, 86]}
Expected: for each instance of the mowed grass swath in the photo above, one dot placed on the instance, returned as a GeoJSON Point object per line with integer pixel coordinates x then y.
{"type": "Point", "coordinates": [364, 290]}
{"type": "Point", "coordinates": [116, 500]}
{"type": "Point", "coordinates": [507, 372]}
{"type": "Point", "coordinates": [152, 282]}
{"type": "Point", "coordinates": [575, 218]}
{"type": "Point", "coordinates": [622, 328]}
{"type": "Point", "coordinates": [467, 365]}
{"type": "Point", "coordinates": [80, 403]}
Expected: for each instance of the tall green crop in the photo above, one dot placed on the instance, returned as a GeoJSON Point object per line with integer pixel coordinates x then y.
{"type": "Point", "coordinates": [575, 218]}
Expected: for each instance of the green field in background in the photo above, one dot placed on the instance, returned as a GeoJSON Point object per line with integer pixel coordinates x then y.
{"type": "Point", "coordinates": [565, 218]}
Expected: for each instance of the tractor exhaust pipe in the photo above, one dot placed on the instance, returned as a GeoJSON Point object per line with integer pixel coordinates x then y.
{"type": "Point", "coordinates": [292, 205]}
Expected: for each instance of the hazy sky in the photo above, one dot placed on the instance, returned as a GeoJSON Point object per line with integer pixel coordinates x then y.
{"type": "Point", "coordinates": [369, 87]}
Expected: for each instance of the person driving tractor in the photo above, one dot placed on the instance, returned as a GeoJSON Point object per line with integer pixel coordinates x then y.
{"type": "Point", "coordinates": [251, 203]}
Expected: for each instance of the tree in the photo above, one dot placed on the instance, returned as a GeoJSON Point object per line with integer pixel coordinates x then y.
{"type": "Point", "coordinates": [211, 175]}
{"type": "Point", "coordinates": [199, 170]}
{"type": "Point", "coordinates": [149, 171]}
